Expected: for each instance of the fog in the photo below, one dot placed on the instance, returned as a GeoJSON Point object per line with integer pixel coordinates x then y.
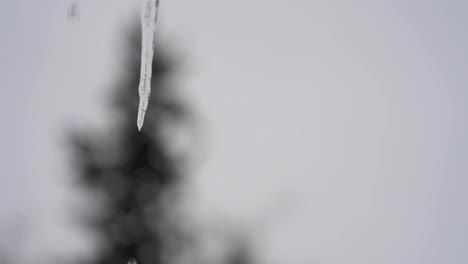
{"type": "Point", "coordinates": [329, 131]}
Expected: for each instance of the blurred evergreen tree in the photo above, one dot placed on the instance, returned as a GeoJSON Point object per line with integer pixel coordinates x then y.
{"type": "Point", "coordinates": [136, 176]}
{"type": "Point", "coordinates": [133, 172]}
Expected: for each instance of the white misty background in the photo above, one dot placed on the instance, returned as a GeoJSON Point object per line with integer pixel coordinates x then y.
{"type": "Point", "coordinates": [355, 111]}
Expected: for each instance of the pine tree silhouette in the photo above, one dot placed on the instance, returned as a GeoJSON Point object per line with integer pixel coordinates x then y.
{"type": "Point", "coordinates": [133, 171]}
{"type": "Point", "coordinates": [136, 176]}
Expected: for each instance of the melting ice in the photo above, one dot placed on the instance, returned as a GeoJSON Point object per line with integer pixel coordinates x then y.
{"type": "Point", "coordinates": [149, 15]}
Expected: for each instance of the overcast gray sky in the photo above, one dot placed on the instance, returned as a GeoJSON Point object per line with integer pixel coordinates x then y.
{"type": "Point", "coordinates": [352, 111]}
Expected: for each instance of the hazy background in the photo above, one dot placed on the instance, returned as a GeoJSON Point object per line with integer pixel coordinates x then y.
{"type": "Point", "coordinates": [342, 124]}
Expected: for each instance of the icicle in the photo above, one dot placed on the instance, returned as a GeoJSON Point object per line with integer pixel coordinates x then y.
{"type": "Point", "coordinates": [73, 11]}
{"type": "Point", "coordinates": [149, 15]}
